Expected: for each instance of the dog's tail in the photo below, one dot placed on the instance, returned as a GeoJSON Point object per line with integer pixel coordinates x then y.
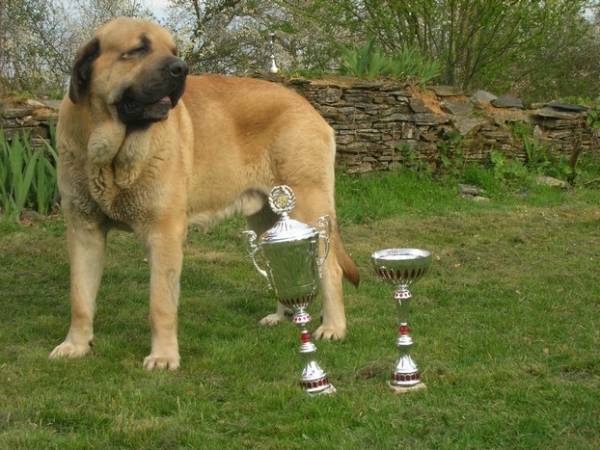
{"type": "Point", "coordinates": [349, 269]}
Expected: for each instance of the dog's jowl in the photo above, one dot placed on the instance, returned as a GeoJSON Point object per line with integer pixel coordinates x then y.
{"type": "Point", "coordinates": [145, 147]}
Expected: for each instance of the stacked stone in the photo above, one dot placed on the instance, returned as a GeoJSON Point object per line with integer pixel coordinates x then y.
{"type": "Point", "coordinates": [564, 127]}
{"type": "Point", "coordinates": [378, 123]}
{"type": "Point", "coordinates": [31, 117]}
{"type": "Point", "coordinates": [375, 122]}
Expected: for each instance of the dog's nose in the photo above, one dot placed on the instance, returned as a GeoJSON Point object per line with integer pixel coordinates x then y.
{"type": "Point", "coordinates": [178, 68]}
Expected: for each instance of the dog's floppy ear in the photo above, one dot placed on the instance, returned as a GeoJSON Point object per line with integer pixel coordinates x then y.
{"type": "Point", "coordinates": [82, 69]}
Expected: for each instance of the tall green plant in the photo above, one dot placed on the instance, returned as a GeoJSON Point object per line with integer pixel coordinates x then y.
{"type": "Point", "coordinates": [45, 185]}
{"type": "Point", "coordinates": [27, 177]}
{"type": "Point", "coordinates": [364, 62]}
{"type": "Point", "coordinates": [369, 61]}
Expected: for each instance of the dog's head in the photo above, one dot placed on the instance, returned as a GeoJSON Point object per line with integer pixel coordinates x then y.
{"type": "Point", "coordinates": [130, 65]}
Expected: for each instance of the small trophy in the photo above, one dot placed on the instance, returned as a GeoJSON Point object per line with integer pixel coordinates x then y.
{"type": "Point", "coordinates": [290, 250]}
{"type": "Point", "coordinates": [403, 267]}
{"type": "Point", "coordinates": [273, 67]}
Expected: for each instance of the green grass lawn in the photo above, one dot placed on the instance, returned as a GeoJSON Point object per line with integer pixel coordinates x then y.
{"type": "Point", "coordinates": [506, 327]}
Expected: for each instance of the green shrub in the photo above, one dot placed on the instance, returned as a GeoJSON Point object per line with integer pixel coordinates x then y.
{"type": "Point", "coordinates": [27, 177]}
{"type": "Point", "coordinates": [478, 175]}
{"type": "Point", "coordinates": [369, 61]}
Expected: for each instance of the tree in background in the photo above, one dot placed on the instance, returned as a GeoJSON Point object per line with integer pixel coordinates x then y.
{"type": "Point", "coordinates": [21, 53]}
{"type": "Point", "coordinates": [39, 38]}
{"type": "Point", "coordinates": [505, 46]}
{"type": "Point", "coordinates": [533, 49]}
{"type": "Point", "coordinates": [224, 36]}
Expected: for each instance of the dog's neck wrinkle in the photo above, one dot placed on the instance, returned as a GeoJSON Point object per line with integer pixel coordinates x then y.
{"type": "Point", "coordinates": [131, 129]}
{"type": "Point", "coordinates": [116, 166]}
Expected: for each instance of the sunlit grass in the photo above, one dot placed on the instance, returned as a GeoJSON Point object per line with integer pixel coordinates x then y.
{"type": "Point", "coordinates": [505, 327]}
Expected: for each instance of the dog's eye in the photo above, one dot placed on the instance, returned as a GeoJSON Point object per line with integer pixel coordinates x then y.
{"type": "Point", "coordinates": [139, 51]}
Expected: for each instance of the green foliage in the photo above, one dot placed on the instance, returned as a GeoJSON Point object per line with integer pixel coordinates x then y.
{"type": "Point", "coordinates": [413, 160]}
{"type": "Point", "coordinates": [593, 117]}
{"type": "Point", "coordinates": [511, 171]}
{"type": "Point", "coordinates": [369, 61]}
{"type": "Point", "coordinates": [536, 154]}
{"type": "Point", "coordinates": [27, 177]}
{"type": "Point", "coordinates": [520, 130]}
{"type": "Point", "coordinates": [484, 178]}
{"type": "Point", "coordinates": [449, 158]}
{"type": "Point", "coordinates": [363, 62]}
{"type": "Point", "coordinates": [45, 183]}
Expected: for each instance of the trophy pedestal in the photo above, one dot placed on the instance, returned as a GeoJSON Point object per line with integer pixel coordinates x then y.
{"type": "Point", "coordinates": [404, 390]}
{"type": "Point", "coordinates": [314, 380]}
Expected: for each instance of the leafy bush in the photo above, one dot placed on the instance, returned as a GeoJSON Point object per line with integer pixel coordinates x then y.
{"type": "Point", "coordinates": [27, 177]}
{"type": "Point", "coordinates": [369, 61]}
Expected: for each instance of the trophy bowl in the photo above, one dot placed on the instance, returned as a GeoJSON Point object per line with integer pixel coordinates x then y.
{"type": "Point", "coordinates": [402, 267]}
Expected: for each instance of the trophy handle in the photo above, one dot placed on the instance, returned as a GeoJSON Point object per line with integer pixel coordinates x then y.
{"type": "Point", "coordinates": [324, 223]}
{"type": "Point", "coordinates": [252, 250]}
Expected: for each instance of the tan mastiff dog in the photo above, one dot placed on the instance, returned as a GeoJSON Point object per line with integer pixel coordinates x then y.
{"type": "Point", "coordinates": [146, 148]}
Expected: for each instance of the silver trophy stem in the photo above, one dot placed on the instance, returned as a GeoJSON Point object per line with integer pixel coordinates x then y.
{"type": "Point", "coordinates": [313, 379]}
{"type": "Point", "coordinates": [406, 373]}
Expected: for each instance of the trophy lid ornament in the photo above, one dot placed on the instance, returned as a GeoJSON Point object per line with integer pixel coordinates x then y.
{"type": "Point", "coordinates": [286, 229]}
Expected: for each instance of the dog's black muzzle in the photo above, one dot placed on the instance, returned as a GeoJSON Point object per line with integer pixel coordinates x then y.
{"type": "Point", "coordinates": [151, 99]}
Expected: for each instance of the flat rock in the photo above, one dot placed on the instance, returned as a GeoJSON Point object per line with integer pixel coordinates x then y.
{"type": "Point", "coordinates": [13, 113]}
{"type": "Point", "coordinates": [417, 105]}
{"type": "Point", "coordinates": [456, 109]}
{"type": "Point", "coordinates": [466, 125]}
{"type": "Point", "coordinates": [507, 102]}
{"type": "Point", "coordinates": [483, 95]}
{"type": "Point", "coordinates": [549, 181]}
{"type": "Point", "coordinates": [567, 106]}
{"type": "Point", "coordinates": [558, 114]}
{"type": "Point", "coordinates": [446, 91]}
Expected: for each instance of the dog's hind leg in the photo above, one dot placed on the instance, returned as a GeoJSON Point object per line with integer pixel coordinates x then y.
{"type": "Point", "coordinates": [312, 203]}
{"type": "Point", "coordinates": [86, 242]}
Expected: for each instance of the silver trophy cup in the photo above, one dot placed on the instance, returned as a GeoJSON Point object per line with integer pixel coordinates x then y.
{"type": "Point", "coordinates": [402, 267]}
{"type": "Point", "coordinates": [292, 268]}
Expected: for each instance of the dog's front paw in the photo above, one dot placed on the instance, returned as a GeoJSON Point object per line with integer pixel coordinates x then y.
{"type": "Point", "coordinates": [274, 319]}
{"type": "Point", "coordinates": [271, 320]}
{"type": "Point", "coordinates": [153, 361]}
{"type": "Point", "coordinates": [70, 350]}
{"type": "Point", "coordinates": [331, 333]}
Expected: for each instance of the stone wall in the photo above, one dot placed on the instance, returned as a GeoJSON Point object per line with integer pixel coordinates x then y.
{"type": "Point", "coordinates": [381, 124]}
{"type": "Point", "coordinates": [26, 116]}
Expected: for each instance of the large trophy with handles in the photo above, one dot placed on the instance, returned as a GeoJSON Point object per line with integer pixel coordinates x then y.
{"type": "Point", "coordinates": [288, 255]}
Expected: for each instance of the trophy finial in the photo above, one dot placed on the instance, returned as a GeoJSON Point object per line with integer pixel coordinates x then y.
{"type": "Point", "coordinates": [282, 200]}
